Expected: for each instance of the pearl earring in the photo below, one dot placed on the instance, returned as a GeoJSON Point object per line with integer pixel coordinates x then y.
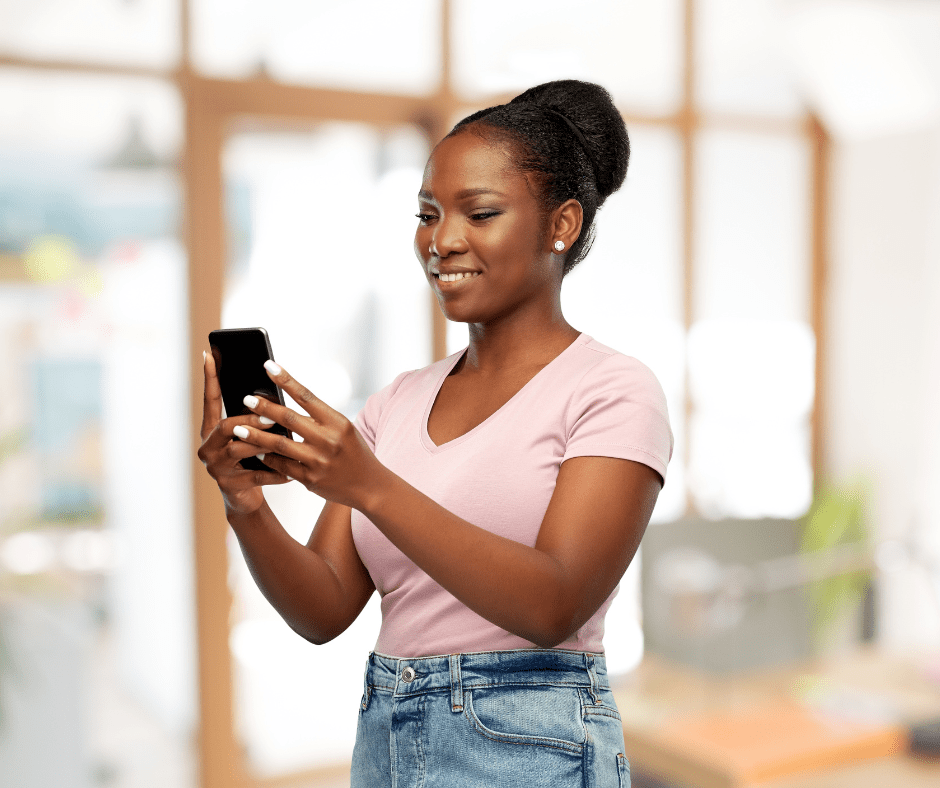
{"type": "Point", "coordinates": [559, 246]}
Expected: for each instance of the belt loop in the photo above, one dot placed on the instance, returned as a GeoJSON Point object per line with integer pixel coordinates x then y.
{"type": "Point", "coordinates": [365, 682]}
{"type": "Point", "coordinates": [592, 672]}
{"type": "Point", "coordinates": [456, 684]}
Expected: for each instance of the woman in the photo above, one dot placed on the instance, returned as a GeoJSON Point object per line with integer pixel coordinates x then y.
{"type": "Point", "coordinates": [494, 498]}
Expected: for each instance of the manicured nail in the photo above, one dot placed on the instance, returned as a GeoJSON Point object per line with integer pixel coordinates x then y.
{"type": "Point", "coordinates": [241, 432]}
{"type": "Point", "coordinates": [265, 421]}
{"type": "Point", "coordinates": [260, 457]}
{"type": "Point", "coordinates": [289, 478]}
{"type": "Point", "coordinates": [250, 401]}
{"type": "Point", "coordinates": [271, 367]}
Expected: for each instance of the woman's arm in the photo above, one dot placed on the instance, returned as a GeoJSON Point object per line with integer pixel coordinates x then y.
{"type": "Point", "coordinates": [591, 530]}
{"type": "Point", "coordinates": [319, 589]}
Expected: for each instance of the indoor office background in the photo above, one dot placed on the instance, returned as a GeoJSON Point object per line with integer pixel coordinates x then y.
{"type": "Point", "coordinates": [171, 166]}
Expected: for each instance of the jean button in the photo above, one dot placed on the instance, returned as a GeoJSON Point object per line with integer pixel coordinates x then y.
{"type": "Point", "coordinates": [408, 674]}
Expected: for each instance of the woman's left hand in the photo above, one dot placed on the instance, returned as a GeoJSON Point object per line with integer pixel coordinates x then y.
{"type": "Point", "coordinates": [333, 461]}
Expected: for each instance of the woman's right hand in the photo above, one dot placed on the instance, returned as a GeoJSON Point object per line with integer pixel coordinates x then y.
{"type": "Point", "coordinates": [221, 452]}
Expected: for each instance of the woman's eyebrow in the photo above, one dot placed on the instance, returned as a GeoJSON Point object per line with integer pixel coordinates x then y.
{"type": "Point", "coordinates": [463, 193]}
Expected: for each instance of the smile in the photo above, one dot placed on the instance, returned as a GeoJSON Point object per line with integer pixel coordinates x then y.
{"type": "Point", "coordinates": [457, 277]}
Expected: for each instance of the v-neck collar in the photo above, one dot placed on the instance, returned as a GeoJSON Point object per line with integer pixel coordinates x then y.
{"type": "Point", "coordinates": [434, 448]}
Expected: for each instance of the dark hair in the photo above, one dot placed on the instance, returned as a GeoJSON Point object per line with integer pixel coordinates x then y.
{"type": "Point", "coordinates": [571, 138]}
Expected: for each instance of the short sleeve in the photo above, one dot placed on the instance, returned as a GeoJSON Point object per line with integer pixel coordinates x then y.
{"type": "Point", "coordinates": [369, 419]}
{"type": "Point", "coordinates": [619, 410]}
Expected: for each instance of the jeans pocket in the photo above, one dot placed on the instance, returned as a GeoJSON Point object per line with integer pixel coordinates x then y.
{"type": "Point", "coordinates": [544, 716]}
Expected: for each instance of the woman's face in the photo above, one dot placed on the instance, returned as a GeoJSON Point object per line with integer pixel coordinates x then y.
{"type": "Point", "coordinates": [480, 238]}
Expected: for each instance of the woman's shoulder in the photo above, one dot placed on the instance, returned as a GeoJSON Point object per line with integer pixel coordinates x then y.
{"type": "Point", "coordinates": [605, 369]}
{"type": "Point", "coordinates": [618, 409]}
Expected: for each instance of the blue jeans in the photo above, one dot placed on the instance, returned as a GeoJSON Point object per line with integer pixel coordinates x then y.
{"type": "Point", "coordinates": [520, 719]}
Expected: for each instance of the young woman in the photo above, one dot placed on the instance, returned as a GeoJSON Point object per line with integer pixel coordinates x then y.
{"type": "Point", "coordinates": [494, 498]}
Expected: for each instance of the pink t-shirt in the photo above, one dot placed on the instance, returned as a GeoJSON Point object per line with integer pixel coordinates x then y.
{"type": "Point", "coordinates": [589, 401]}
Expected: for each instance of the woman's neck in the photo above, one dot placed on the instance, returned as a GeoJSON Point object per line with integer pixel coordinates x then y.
{"type": "Point", "coordinates": [515, 344]}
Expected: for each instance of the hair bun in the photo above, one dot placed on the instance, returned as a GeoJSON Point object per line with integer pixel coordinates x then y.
{"type": "Point", "coordinates": [591, 109]}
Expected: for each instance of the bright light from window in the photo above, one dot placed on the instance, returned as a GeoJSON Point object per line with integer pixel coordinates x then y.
{"type": "Point", "coordinates": [752, 385]}
{"type": "Point", "coordinates": [28, 553]}
{"type": "Point", "coordinates": [631, 47]}
{"type": "Point", "coordinates": [362, 45]}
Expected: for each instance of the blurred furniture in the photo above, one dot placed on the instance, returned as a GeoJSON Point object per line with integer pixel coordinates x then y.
{"type": "Point", "coordinates": [842, 722]}
{"type": "Point", "coordinates": [705, 628]}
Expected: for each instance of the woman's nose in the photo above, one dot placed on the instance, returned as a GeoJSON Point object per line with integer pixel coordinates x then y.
{"type": "Point", "coordinates": [447, 239]}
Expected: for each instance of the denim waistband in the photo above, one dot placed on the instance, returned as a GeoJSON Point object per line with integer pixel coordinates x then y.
{"type": "Point", "coordinates": [408, 676]}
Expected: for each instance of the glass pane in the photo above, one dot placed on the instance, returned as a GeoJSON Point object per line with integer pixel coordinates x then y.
{"type": "Point", "coordinates": [631, 47]}
{"type": "Point", "coordinates": [95, 667]}
{"type": "Point", "coordinates": [742, 62]}
{"type": "Point", "coordinates": [139, 33]}
{"type": "Point", "coordinates": [751, 350]}
{"type": "Point", "coordinates": [752, 227]}
{"type": "Point", "coordinates": [322, 226]}
{"type": "Point", "coordinates": [628, 292]}
{"type": "Point", "coordinates": [752, 386]}
{"type": "Point", "coordinates": [361, 45]}
{"type": "Point", "coordinates": [867, 69]}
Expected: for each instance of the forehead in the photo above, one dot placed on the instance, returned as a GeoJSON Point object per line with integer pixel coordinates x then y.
{"type": "Point", "coordinates": [468, 161]}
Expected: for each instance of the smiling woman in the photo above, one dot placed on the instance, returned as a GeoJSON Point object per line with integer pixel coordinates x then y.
{"type": "Point", "coordinates": [494, 499]}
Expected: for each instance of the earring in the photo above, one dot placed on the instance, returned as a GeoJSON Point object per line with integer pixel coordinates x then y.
{"type": "Point", "coordinates": [559, 246]}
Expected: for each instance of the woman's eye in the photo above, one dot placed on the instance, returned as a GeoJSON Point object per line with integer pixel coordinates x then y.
{"type": "Point", "coordinates": [425, 217]}
{"type": "Point", "coordinates": [483, 215]}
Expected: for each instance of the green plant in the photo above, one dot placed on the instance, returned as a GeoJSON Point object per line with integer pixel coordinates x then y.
{"type": "Point", "coordinates": [838, 516]}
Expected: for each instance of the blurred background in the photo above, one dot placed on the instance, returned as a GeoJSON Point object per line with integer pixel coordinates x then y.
{"type": "Point", "coordinates": [171, 166]}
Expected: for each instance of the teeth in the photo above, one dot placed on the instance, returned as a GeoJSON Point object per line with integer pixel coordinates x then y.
{"type": "Point", "coordinates": [456, 277]}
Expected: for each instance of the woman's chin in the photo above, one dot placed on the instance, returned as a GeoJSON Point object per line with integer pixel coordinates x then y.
{"type": "Point", "coordinates": [457, 312]}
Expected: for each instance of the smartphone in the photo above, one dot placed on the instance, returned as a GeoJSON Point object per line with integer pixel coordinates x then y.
{"type": "Point", "coordinates": [239, 355]}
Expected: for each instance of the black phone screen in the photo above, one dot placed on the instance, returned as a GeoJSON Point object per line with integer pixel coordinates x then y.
{"type": "Point", "coordinates": [239, 355]}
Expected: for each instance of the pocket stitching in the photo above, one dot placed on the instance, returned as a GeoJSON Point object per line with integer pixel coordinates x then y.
{"type": "Point", "coordinates": [603, 711]}
{"type": "Point", "coordinates": [517, 738]}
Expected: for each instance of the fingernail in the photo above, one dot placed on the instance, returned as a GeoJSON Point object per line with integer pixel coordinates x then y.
{"type": "Point", "coordinates": [250, 401]}
{"type": "Point", "coordinates": [203, 356]}
{"type": "Point", "coordinates": [241, 432]}
{"type": "Point", "coordinates": [291, 478]}
{"type": "Point", "coordinates": [265, 421]}
{"type": "Point", "coordinates": [260, 457]}
{"type": "Point", "coordinates": [271, 367]}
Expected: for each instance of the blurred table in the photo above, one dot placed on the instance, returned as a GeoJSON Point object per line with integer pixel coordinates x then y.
{"type": "Point", "coordinates": [834, 723]}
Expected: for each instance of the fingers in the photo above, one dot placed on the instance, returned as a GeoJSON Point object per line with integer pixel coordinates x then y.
{"type": "Point", "coordinates": [224, 462]}
{"type": "Point", "coordinates": [241, 479]}
{"type": "Point", "coordinates": [301, 394]}
{"type": "Point", "coordinates": [211, 397]}
{"type": "Point", "coordinates": [223, 431]}
{"type": "Point", "coordinates": [289, 469]}
{"type": "Point", "coordinates": [271, 444]}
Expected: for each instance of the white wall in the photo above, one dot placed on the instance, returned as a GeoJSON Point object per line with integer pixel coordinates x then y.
{"type": "Point", "coordinates": [883, 378]}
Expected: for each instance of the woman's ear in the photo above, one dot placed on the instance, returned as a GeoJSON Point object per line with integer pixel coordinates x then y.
{"type": "Point", "coordinates": [565, 226]}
